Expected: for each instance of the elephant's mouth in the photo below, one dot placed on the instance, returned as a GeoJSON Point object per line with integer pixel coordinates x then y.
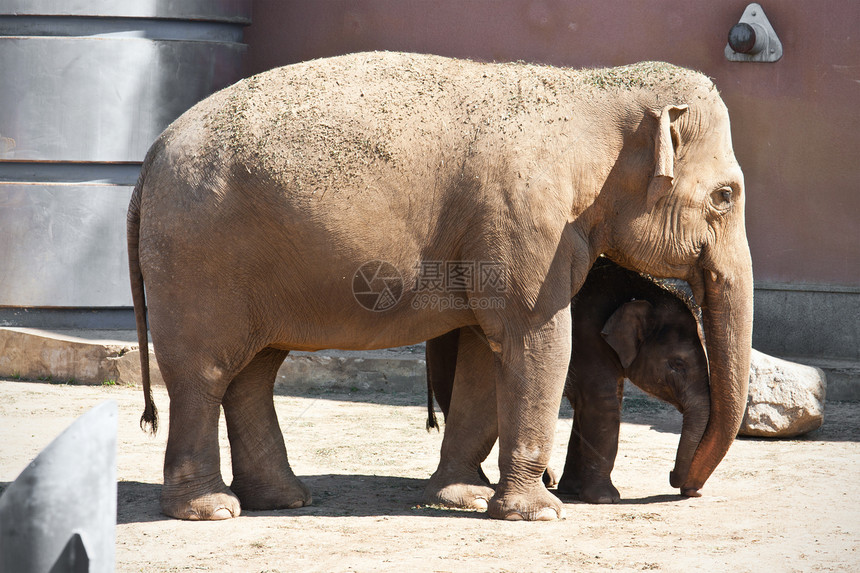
{"type": "Point", "coordinates": [696, 280]}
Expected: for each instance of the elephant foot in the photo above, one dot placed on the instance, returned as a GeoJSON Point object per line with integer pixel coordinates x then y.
{"type": "Point", "coordinates": [601, 492]}
{"type": "Point", "coordinates": [456, 492]}
{"type": "Point", "coordinates": [205, 504]}
{"type": "Point", "coordinates": [287, 493]}
{"type": "Point", "coordinates": [537, 504]}
{"type": "Point", "coordinates": [569, 484]}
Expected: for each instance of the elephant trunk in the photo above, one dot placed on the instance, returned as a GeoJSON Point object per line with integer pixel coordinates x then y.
{"type": "Point", "coordinates": [727, 316]}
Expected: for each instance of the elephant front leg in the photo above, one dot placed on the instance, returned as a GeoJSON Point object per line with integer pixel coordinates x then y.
{"type": "Point", "coordinates": [262, 477]}
{"type": "Point", "coordinates": [531, 372]}
{"type": "Point", "coordinates": [470, 428]}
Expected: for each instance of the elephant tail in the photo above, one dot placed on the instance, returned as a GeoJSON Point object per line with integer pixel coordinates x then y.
{"type": "Point", "coordinates": [150, 412]}
{"type": "Point", "coordinates": [432, 422]}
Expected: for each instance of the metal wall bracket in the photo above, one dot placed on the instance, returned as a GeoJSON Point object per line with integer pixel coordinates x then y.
{"type": "Point", "coordinates": [753, 39]}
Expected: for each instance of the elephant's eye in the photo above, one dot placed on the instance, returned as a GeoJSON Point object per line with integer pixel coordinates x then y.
{"type": "Point", "coordinates": [677, 365]}
{"type": "Point", "coordinates": [723, 197]}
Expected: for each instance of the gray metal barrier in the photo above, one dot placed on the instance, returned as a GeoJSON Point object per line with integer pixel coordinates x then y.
{"type": "Point", "coordinates": [59, 515]}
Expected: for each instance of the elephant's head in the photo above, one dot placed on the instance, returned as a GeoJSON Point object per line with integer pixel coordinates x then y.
{"type": "Point", "coordinates": [677, 205]}
{"type": "Point", "coordinates": [661, 352]}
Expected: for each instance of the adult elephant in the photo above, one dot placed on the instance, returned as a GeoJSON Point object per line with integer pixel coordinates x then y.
{"type": "Point", "coordinates": [310, 206]}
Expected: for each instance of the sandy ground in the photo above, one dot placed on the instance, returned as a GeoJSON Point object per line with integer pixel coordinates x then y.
{"type": "Point", "coordinates": [770, 506]}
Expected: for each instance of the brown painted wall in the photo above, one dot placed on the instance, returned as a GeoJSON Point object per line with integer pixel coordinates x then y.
{"type": "Point", "coordinates": [796, 123]}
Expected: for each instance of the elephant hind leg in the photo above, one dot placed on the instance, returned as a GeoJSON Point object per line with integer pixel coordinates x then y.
{"type": "Point", "coordinates": [470, 428]}
{"type": "Point", "coordinates": [262, 477]}
{"type": "Point", "coordinates": [193, 487]}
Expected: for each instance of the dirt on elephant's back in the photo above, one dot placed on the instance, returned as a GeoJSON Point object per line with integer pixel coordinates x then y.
{"type": "Point", "coordinates": [314, 125]}
{"type": "Point", "coordinates": [775, 505]}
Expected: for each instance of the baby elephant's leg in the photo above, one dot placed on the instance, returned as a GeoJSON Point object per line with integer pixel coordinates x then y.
{"type": "Point", "coordinates": [594, 438]}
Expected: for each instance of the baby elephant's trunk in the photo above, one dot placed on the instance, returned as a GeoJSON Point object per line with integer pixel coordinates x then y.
{"type": "Point", "coordinates": [695, 422]}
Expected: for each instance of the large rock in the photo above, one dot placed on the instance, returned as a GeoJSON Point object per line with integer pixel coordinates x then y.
{"type": "Point", "coordinates": [64, 358]}
{"type": "Point", "coordinates": [112, 357]}
{"type": "Point", "coordinates": [388, 370]}
{"type": "Point", "coordinates": [786, 399]}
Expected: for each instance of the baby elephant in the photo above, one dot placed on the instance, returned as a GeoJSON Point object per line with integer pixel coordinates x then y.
{"type": "Point", "coordinates": [624, 326]}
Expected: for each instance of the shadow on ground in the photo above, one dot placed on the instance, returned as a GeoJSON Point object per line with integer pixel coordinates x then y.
{"type": "Point", "coordinates": [335, 495]}
{"type": "Point", "coordinates": [649, 500]}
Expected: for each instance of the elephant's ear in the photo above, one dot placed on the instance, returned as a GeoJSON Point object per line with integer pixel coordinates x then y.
{"type": "Point", "coordinates": [627, 328]}
{"type": "Point", "coordinates": [664, 153]}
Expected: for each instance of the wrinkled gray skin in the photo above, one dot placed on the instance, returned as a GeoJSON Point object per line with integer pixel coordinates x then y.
{"type": "Point", "coordinates": [624, 326]}
{"type": "Point", "coordinates": [256, 208]}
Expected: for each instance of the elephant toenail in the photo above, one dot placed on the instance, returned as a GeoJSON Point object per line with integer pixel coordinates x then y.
{"type": "Point", "coordinates": [296, 504]}
{"type": "Point", "coordinates": [480, 503]}
{"type": "Point", "coordinates": [221, 513]}
{"type": "Point", "coordinates": [514, 516]}
{"type": "Point", "coordinates": [549, 514]}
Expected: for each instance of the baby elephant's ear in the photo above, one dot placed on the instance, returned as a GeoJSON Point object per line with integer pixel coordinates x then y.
{"type": "Point", "coordinates": [627, 328]}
